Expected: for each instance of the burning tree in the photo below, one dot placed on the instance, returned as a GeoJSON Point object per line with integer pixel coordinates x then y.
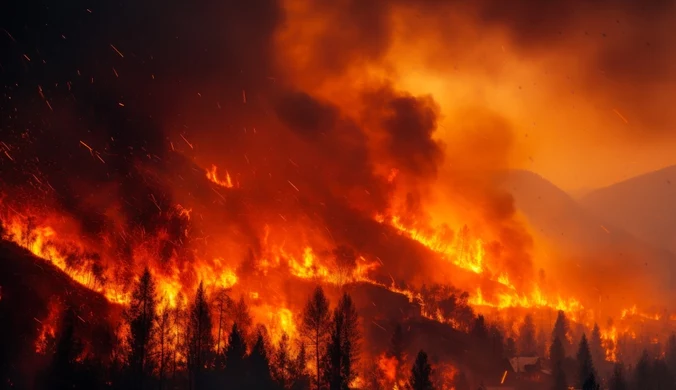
{"type": "Point", "coordinates": [235, 355]}
{"type": "Point", "coordinates": [342, 350]}
{"type": "Point", "coordinates": [200, 338]}
{"type": "Point", "coordinates": [316, 323]}
{"type": "Point", "coordinates": [421, 373]}
{"type": "Point", "coordinates": [142, 318]}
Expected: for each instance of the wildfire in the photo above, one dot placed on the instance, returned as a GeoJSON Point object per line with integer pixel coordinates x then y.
{"type": "Point", "coordinates": [43, 242]}
{"type": "Point", "coordinates": [212, 175]}
{"type": "Point", "coordinates": [47, 327]}
{"type": "Point", "coordinates": [469, 255]}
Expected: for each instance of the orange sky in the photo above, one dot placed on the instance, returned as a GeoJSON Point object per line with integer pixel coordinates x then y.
{"type": "Point", "coordinates": [585, 92]}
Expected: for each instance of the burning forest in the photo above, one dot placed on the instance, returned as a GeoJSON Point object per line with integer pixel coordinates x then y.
{"type": "Point", "coordinates": [287, 194]}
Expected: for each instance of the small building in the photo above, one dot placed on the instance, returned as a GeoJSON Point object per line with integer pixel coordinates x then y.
{"type": "Point", "coordinates": [527, 367]}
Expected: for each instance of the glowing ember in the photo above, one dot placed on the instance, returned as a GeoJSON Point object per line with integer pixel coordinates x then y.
{"type": "Point", "coordinates": [212, 174]}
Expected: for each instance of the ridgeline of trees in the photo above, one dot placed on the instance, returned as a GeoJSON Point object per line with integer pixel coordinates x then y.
{"type": "Point", "coordinates": [175, 348]}
{"type": "Point", "coordinates": [186, 348]}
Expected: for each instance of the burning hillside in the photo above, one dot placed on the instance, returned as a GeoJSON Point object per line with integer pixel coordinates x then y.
{"type": "Point", "coordinates": [240, 168]}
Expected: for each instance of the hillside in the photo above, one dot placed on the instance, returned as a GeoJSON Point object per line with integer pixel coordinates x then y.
{"type": "Point", "coordinates": [587, 245]}
{"type": "Point", "coordinates": [29, 287]}
{"type": "Point", "coordinates": [644, 206]}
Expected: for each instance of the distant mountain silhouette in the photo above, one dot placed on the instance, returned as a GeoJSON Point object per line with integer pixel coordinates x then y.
{"type": "Point", "coordinates": [644, 206]}
{"type": "Point", "coordinates": [583, 243]}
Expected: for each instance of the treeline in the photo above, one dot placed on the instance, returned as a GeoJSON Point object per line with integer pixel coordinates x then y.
{"type": "Point", "coordinates": [578, 367]}
{"type": "Point", "coordinates": [163, 348]}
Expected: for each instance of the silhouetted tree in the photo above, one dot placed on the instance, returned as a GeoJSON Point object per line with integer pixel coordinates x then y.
{"type": "Point", "coordinates": [642, 372]}
{"type": "Point", "coordinates": [479, 329]}
{"type": "Point", "coordinates": [299, 376]}
{"type": "Point", "coordinates": [584, 362]}
{"type": "Point", "coordinates": [618, 380]}
{"type": "Point", "coordinates": [222, 302]}
{"type": "Point", "coordinates": [542, 342]}
{"type": "Point", "coordinates": [561, 330]}
{"type": "Point", "coordinates": [662, 378]}
{"type": "Point", "coordinates": [527, 345]}
{"type": "Point", "coordinates": [557, 356]}
{"type": "Point", "coordinates": [351, 340]}
{"type": "Point", "coordinates": [421, 373]}
{"type": "Point", "coordinates": [670, 353]}
{"type": "Point", "coordinates": [497, 343]}
{"type": "Point", "coordinates": [397, 351]}
{"type": "Point", "coordinates": [62, 371]}
{"type": "Point", "coordinates": [241, 316]}
{"type": "Point", "coordinates": [315, 327]}
{"type": "Point", "coordinates": [334, 354]}
{"type": "Point", "coordinates": [235, 355]}
{"type": "Point", "coordinates": [282, 363]}
{"type": "Point", "coordinates": [180, 332]}
{"type": "Point", "coordinates": [165, 339]}
{"type": "Point", "coordinates": [259, 366]}
{"type": "Point", "coordinates": [590, 383]}
{"type": "Point", "coordinates": [510, 348]}
{"type": "Point", "coordinates": [201, 340]}
{"type": "Point", "coordinates": [596, 347]}
{"type": "Point", "coordinates": [342, 350]}
{"type": "Point", "coordinates": [141, 317]}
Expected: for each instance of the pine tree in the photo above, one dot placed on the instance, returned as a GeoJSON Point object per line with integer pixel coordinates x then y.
{"type": "Point", "coordinates": [222, 303]}
{"type": "Point", "coordinates": [510, 348]}
{"type": "Point", "coordinates": [421, 373]}
{"type": "Point", "coordinates": [201, 340]}
{"type": "Point", "coordinates": [315, 327]}
{"type": "Point", "coordinates": [180, 333]}
{"type": "Point", "coordinates": [259, 366]}
{"type": "Point", "coordinates": [596, 347]}
{"type": "Point", "coordinates": [281, 363]}
{"type": "Point", "coordinates": [584, 361]}
{"type": "Point", "coordinates": [243, 319]}
{"type": "Point", "coordinates": [590, 383]}
{"type": "Point", "coordinates": [557, 356]}
{"type": "Point", "coordinates": [670, 353]}
{"type": "Point", "coordinates": [396, 351]}
{"type": "Point", "coordinates": [542, 342]}
{"type": "Point", "coordinates": [165, 339]}
{"type": "Point", "coordinates": [299, 376]}
{"type": "Point", "coordinates": [662, 378]}
{"type": "Point", "coordinates": [62, 372]}
{"type": "Point", "coordinates": [235, 355]}
{"type": "Point", "coordinates": [142, 319]}
{"type": "Point", "coordinates": [643, 372]}
{"type": "Point", "coordinates": [497, 343]}
{"type": "Point", "coordinates": [334, 354]}
{"type": "Point", "coordinates": [527, 344]}
{"type": "Point", "coordinates": [618, 380]}
{"type": "Point", "coordinates": [479, 329]}
{"type": "Point", "coordinates": [561, 330]}
{"type": "Point", "coordinates": [351, 340]}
